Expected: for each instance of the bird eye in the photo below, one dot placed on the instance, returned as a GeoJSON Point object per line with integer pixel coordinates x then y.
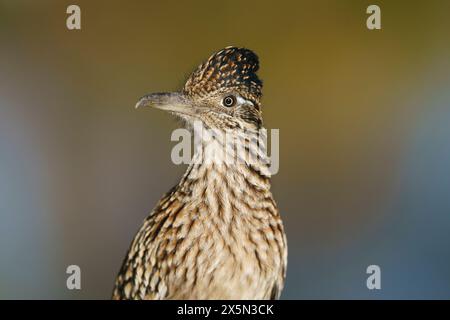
{"type": "Point", "coordinates": [229, 101]}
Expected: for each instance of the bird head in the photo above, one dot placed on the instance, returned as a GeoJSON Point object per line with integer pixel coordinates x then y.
{"type": "Point", "coordinates": [223, 93]}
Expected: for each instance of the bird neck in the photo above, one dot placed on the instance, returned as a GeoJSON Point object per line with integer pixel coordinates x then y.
{"type": "Point", "coordinates": [228, 160]}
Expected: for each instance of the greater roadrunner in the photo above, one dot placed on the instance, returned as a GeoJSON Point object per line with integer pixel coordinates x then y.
{"type": "Point", "coordinates": [217, 234]}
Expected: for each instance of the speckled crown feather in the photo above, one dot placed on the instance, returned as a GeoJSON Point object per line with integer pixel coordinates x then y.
{"type": "Point", "coordinates": [231, 68]}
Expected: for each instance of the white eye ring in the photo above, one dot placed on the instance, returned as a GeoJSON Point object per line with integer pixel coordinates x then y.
{"type": "Point", "coordinates": [229, 101]}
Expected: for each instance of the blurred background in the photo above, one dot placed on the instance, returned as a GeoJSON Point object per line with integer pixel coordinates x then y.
{"type": "Point", "coordinates": [364, 119]}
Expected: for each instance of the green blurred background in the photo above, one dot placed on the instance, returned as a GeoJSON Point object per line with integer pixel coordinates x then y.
{"type": "Point", "coordinates": [364, 119]}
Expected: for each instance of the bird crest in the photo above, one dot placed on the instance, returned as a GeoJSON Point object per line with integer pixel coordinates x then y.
{"type": "Point", "coordinates": [229, 69]}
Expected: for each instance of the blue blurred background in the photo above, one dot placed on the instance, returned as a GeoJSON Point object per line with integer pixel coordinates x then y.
{"type": "Point", "coordinates": [364, 119]}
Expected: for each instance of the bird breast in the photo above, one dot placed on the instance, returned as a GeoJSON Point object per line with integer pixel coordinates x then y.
{"type": "Point", "coordinates": [237, 245]}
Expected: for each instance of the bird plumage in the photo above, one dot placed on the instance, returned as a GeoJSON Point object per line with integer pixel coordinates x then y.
{"type": "Point", "coordinates": [217, 234]}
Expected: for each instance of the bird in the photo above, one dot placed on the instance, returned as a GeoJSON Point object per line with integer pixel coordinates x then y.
{"type": "Point", "coordinates": [218, 233]}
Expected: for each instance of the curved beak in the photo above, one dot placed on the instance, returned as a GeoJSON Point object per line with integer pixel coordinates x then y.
{"type": "Point", "coordinates": [170, 101]}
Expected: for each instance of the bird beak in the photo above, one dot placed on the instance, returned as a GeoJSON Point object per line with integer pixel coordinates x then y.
{"type": "Point", "coordinates": [173, 102]}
